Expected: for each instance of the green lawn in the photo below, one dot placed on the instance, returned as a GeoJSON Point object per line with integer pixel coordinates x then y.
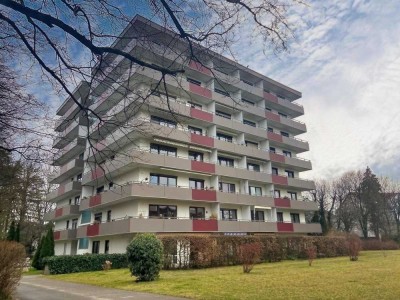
{"type": "Point", "coordinates": [373, 276]}
{"type": "Point", "coordinates": [32, 271]}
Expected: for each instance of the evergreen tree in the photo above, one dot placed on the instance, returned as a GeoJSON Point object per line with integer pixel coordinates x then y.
{"type": "Point", "coordinates": [36, 257]}
{"type": "Point", "coordinates": [17, 233]}
{"type": "Point", "coordinates": [47, 246]}
{"type": "Point", "coordinates": [11, 232]}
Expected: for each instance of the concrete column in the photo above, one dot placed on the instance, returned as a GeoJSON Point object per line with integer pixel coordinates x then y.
{"type": "Point", "coordinates": [244, 186]}
{"type": "Point", "coordinates": [212, 131]}
{"type": "Point", "coordinates": [243, 162]}
{"type": "Point", "coordinates": [214, 156]}
{"type": "Point", "coordinates": [240, 139]}
{"type": "Point", "coordinates": [211, 107]}
{"type": "Point", "coordinates": [246, 213]}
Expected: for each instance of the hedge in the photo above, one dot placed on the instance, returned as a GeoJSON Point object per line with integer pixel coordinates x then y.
{"type": "Point", "coordinates": [375, 244]}
{"type": "Point", "coordinates": [64, 264]}
{"type": "Point", "coordinates": [203, 251]}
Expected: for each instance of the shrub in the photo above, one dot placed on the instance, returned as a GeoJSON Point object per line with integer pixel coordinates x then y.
{"type": "Point", "coordinates": [36, 257]}
{"type": "Point", "coordinates": [145, 254]}
{"type": "Point", "coordinates": [12, 259]}
{"type": "Point", "coordinates": [311, 251]}
{"type": "Point", "coordinates": [64, 264]}
{"type": "Point", "coordinates": [354, 246]}
{"type": "Point", "coordinates": [107, 265]}
{"type": "Point", "coordinates": [249, 254]}
{"type": "Point", "coordinates": [375, 244]}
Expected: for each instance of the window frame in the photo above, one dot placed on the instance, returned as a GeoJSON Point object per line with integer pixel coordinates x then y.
{"type": "Point", "coordinates": [196, 214]}
{"type": "Point", "coordinates": [168, 177]}
{"type": "Point", "coordinates": [169, 211]}
{"type": "Point", "coordinates": [232, 214]}
{"type": "Point", "coordinates": [196, 181]}
{"type": "Point", "coordinates": [229, 162]}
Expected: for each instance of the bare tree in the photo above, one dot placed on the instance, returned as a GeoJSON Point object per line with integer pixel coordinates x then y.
{"type": "Point", "coordinates": [391, 198]}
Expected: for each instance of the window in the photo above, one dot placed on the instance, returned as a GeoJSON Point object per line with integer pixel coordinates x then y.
{"type": "Point", "coordinates": [79, 177]}
{"type": "Point", "coordinates": [224, 137]}
{"type": "Point", "coordinates": [100, 189]}
{"type": "Point", "coordinates": [287, 153]}
{"type": "Point", "coordinates": [81, 156]}
{"type": "Point", "coordinates": [106, 246]}
{"type": "Point", "coordinates": [197, 212]}
{"type": "Point", "coordinates": [272, 149]}
{"type": "Point", "coordinates": [251, 144]}
{"type": "Point", "coordinates": [227, 187]}
{"type": "Point", "coordinates": [109, 216]}
{"type": "Point", "coordinates": [279, 216]}
{"type": "Point", "coordinates": [282, 115]}
{"type": "Point", "coordinates": [74, 224]}
{"type": "Point", "coordinates": [195, 105]}
{"type": "Point", "coordinates": [110, 185]}
{"type": "Point", "coordinates": [95, 247]}
{"type": "Point", "coordinates": [289, 174]}
{"type": "Point", "coordinates": [255, 190]}
{"type": "Point", "coordinates": [193, 155]}
{"type": "Point", "coordinates": [277, 194]}
{"type": "Point", "coordinates": [293, 195]}
{"type": "Point", "coordinates": [163, 95]}
{"type": "Point", "coordinates": [283, 133]}
{"type": "Point", "coordinates": [77, 200]}
{"type": "Point", "coordinates": [257, 215]}
{"type": "Point", "coordinates": [162, 211]}
{"type": "Point", "coordinates": [274, 171]}
{"type": "Point", "coordinates": [194, 81]}
{"type": "Point", "coordinates": [270, 129]}
{"type": "Point", "coordinates": [228, 214]}
{"type": "Point", "coordinates": [247, 102]}
{"type": "Point", "coordinates": [224, 161]}
{"type": "Point", "coordinates": [86, 216]}
{"type": "Point", "coordinates": [195, 130]}
{"type": "Point", "coordinates": [295, 218]}
{"type": "Point", "coordinates": [163, 122]}
{"type": "Point", "coordinates": [163, 150]}
{"type": "Point", "coordinates": [70, 201]}
{"type": "Point", "coordinates": [222, 92]}
{"type": "Point", "coordinates": [267, 108]}
{"type": "Point", "coordinates": [67, 226]}
{"type": "Point", "coordinates": [253, 167]}
{"type": "Point", "coordinates": [223, 114]}
{"type": "Point", "coordinates": [250, 123]}
{"type": "Point", "coordinates": [83, 243]}
{"type": "Point", "coordinates": [197, 184]}
{"type": "Point", "coordinates": [163, 180]}
{"type": "Point", "coordinates": [98, 217]}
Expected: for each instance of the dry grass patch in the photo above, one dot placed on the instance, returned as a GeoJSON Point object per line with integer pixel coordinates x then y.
{"type": "Point", "coordinates": [373, 276]}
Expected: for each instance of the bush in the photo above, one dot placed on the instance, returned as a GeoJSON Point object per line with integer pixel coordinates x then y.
{"type": "Point", "coordinates": [12, 260]}
{"type": "Point", "coordinates": [36, 257]}
{"type": "Point", "coordinates": [375, 244]}
{"type": "Point", "coordinates": [84, 263]}
{"type": "Point", "coordinates": [249, 254]}
{"type": "Point", "coordinates": [145, 254]}
{"type": "Point", "coordinates": [354, 246]}
{"type": "Point", "coordinates": [311, 251]}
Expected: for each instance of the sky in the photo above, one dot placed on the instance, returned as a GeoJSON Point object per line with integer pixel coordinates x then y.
{"type": "Point", "coordinates": [346, 62]}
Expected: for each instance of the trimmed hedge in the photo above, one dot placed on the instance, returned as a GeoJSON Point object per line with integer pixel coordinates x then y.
{"type": "Point", "coordinates": [64, 264]}
{"type": "Point", "coordinates": [204, 251]}
{"type": "Point", "coordinates": [375, 244]}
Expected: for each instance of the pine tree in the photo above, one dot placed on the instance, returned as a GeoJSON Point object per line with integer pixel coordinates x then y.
{"type": "Point", "coordinates": [11, 232]}
{"type": "Point", "coordinates": [17, 233]}
{"type": "Point", "coordinates": [47, 247]}
{"type": "Point", "coordinates": [36, 257]}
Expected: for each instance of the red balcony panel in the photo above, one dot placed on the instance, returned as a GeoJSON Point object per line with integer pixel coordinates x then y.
{"type": "Point", "coordinates": [205, 225]}
{"type": "Point", "coordinates": [270, 97]}
{"type": "Point", "coordinates": [285, 227]}
{"type": "Point", "coordinates": [199, 67]}
{"type": "Point", "coordinates": [276, 179]}
{"type": "Point", "coordinates": [202, 115]}
{"type": "Point", "coordinates": [274, 137]}
{"type": "Point", "coordinates": [61, 190]}
{"type": "Point", "coordinates": [202, 140]}
{"type": "Point", "coordinates": [271, 116]}
{"type": "Point", "coordinates": [277, 157]}
{"type": "Point", "coordinates": [205, 195]}
{"type": "Point", "coordinates": [95, 200]}
{"type": "Point", "coordinates": [199, 90]}
{"type": "Point", "coordinates": [57, 235]}
{"type": "Point", "coordinates": [93, 230]}
{"type": "Point", "coordinates": [282, 202]}
{"type": "Point", "coordinates": [59, 212]}
{"type": "Point", "coordinates": [97, 173]}
{"type": "Point", "coordinates": [200, 166]}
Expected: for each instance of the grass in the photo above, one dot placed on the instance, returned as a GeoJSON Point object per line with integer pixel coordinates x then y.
{"type": "Point", "coordinates": [33, 271]}
{"type": "Point", "coordinates": [373, 276]}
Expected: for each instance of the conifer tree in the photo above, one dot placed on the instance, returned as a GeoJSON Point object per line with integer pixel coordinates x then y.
{"type": "Point", "coordinates": [11, 232]}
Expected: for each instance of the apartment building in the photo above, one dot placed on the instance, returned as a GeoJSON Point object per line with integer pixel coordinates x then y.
{"type": "Point", "coordinates": [213, 151]}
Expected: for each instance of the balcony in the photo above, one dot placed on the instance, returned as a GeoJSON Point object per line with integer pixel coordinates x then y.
{"type": "Point", "coordinates": [289, 143]}
{"type": "Point", "coordinates": [65, 191]}
{"type": "Point", "coordinates": [284, 181]}
{"type": "Point", "coordinates": [158, 225]}
{"type": "Point", "coordinates": [80, 93]}
{"type": "Point", "coordinates": [70, 151]}
{"type": "Point", "coordinates": [76, 128]}
{"type": "Point", "coordinates": [296, 163]}
{"type": "Point", "coordinates": [59, 213]}
{"type": "Point", "coordinates": [65, 234]}
{"type": "Point", "coordinates": [285, 123]}
{"type": "Point", "coordinates": [283, 105]}
{"type": "Point", "coordinates": [66, 171]}
{"type": "Point", "coordinates": [245, 199]}
{"type": "Point", "coordinates": [295, 204]}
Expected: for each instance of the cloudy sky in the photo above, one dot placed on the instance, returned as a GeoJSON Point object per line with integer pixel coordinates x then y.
{"type": "Point", "coordinates": [346, 62]}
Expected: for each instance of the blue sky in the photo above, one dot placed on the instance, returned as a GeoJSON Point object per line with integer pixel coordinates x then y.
{"type": "Point", "coordinates": [346, 62]}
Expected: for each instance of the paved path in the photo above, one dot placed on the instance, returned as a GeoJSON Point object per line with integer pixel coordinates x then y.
{"type": "Point", "coordinates": [38, 287]}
